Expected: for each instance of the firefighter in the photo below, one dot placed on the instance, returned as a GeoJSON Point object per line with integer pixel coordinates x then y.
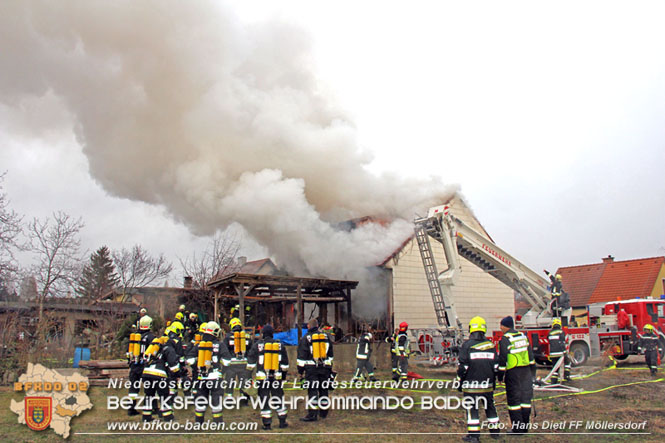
{"type": "Point", "coordinates": [391, 340]}
{"type": "Point", "coordinates": [191, 356]}
{"type": "Point", "coordinates": [179, 317]}
{"type": "Point", "coordinates": [315, 360]}
{"type": "Point", "coordinates": [238, 343]}
{"type": "Point", "coordinates": [138, 344]}
{"type": "Point", "coordinates": [211, 353]}
{"type": "Point", "coordinates": [161, 362]}
{"type": "Point", "coordinates": [476, 370]}
{"type": "Point", "coordinates": [402, 351]}
{"type": "Point", "coordinates": [518, 366]}
{"type": "Point", "coordinates": [191, 327]}
{"type": "Point", "coordinates": [650, 346]}
{"type": "Point", "coordinates": [174, 334]}
{"type": "Point", "coordinates": [273, 364]}
{"type": "Point", "coordinates": [558, 350]}
{"type": "Point", "coordinates": [555, 289]}
{"type": "Point", "coordinates": [363, 355]}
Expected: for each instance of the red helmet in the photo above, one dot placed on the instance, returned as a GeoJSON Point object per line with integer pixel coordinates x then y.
{"type": "Point", "coordinates": [403, 326]}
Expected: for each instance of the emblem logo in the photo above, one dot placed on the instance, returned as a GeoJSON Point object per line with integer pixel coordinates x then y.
{"type": "Point", "coordinates": [38, 412]}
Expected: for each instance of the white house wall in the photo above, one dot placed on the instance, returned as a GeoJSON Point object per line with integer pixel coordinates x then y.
{"type": "Point", "coordinates": [476, 292]}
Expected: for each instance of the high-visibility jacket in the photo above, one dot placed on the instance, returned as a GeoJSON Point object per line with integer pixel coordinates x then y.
{"type": "Point", "coordinates": [364, 349]}
{"type": "Point", "coordinates": [514, 351]}
{"type": "Point", "coordinates": [315, 349]}
{"type": "Point", "coordinates": [557, 340]}
{"type": "Point", "coordinates": [477, 364]}
{"type": "Point", "coordinates": [402, 345]}
{"type": "Point", "coordinates": [270, 359]}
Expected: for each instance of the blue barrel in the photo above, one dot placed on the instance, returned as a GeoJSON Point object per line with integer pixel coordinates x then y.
{"type": "Point", "coordinates": [81, 354]}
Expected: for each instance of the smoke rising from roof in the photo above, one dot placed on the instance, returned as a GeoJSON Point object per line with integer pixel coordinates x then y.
{"type": "Point", "coordinates": [220, 122]}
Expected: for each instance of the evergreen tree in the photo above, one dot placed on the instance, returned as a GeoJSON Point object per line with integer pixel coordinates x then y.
{"type": "Point", "coordinates": [98, 276]}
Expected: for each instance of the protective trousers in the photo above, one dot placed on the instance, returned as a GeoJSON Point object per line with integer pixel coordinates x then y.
{"type": "Point", "coordinates": [651, 358]}
{"type": "Point", "coordinates": [394, 362]}
{"type": "Point", "coordinates": [235, 372]}
{"type": "Point", "coordinates": [366, 365]}
{"type": "Point", "coordinates": [565, 368]}
{"type": "Point", "coordinates": [267, 391]}
{"type": "Point", "coordinates": [403, 367]}
{"type": "Point", "coordinates": [318, 379]}
{"type": "Point", "coordinates": [519, 392]}
{"type": "Point", "coordinates": [135, 373]}
{"type": "Point", "coordinates": [157, 398]}
{"type": "Point", "coordinates": [212, 392]}
{"type": "Point", "coordinates": [481, 400]}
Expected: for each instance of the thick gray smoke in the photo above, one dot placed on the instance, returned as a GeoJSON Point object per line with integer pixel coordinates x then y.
{"type": "Point", "coordinates": [180, 104]}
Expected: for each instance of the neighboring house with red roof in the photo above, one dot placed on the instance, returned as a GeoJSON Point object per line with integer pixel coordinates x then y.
{"type": "Point", "coordinates": [265, 266]}
{"type": "Point", "coordinates": [614, 280]}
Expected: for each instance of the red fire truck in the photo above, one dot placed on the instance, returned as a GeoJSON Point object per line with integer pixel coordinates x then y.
{"type": "Point", "coordinates": [602, 335]}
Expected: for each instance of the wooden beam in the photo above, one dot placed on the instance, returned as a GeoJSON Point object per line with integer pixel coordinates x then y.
{"type": "Point", "coordinates": [300, 316]}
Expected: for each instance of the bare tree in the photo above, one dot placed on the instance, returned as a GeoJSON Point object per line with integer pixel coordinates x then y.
{"type": "Point", "coordinates": [10, 229]}
{"type": "Point", "coordinates": [219, 257]}
{"type": "Point", "coordinates": [55, 242]}
{"type": "Point", "coordinates": [136, 268]}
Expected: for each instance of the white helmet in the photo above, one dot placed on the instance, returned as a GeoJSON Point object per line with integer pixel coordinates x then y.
{"type": "Point", "coordinates": [213, 328]}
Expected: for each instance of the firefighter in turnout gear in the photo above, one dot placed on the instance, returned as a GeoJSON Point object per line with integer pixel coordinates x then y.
{"type": "Point", "coordinates": [174, 334]}
{"type": "Point", "coordinates": [363, 355]}
{"type": "Point", "coordinates": [161, 365]}
{"type": "Point", "coordinates": [518, 366]}
{"type": "Point", "coordinates": [558, 350]}
{"type": "Point", "coordinates": [238, 343]}
{"type": "Point", "coordinates": [138, 344]}
{"type": "Point", "coordinates": [192, 353]}
{"type": "Point", "coordinates": [315, 360]}
{"type": "Point", "coordinates": [210, 357]}
{"type": "Point", "coordinates": [556, 289]}
{"type": "Point", "coordinates": [391, 340]}
{"type": "Point", "coordinates": [271, 361]}
{"type": "Point", "coordinates": [402, 351]}
{"type": "Point", "coordinates": [651, 347]}
{"type": "Point", "coordinates": [476, 370]}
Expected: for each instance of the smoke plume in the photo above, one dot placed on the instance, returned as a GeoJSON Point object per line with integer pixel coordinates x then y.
{"type": "Point", "coordinates": [179, 104]}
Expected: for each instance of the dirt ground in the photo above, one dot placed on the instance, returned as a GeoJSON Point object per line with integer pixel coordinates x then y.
{"type": "Point", "coordinates": [641, 399]}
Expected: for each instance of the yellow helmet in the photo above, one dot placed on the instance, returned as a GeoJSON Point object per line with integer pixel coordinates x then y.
{"type": "Point", "coordinates": [558, 277]}
{"type": "Point", "coordinates": [478, 324]}
{"type": "Point", "coordinates": [202, 328]}
{"type": "Point", "coordinates": [212, 328]}
{"type": "Point", "coordinates": [648, 327]}
{"type": "Point", "coordinates": [193, 316]}
{"type": "Point", "coordinates": [145, 323]}
{"type": "Point", "coordinates": [235, 322]}
{"type": "Point", "coordinates": [179, 316]}
{"type": "Point", "coordinates": [556, 322]}
{"type": "Point", "coordinates": [177, 327]}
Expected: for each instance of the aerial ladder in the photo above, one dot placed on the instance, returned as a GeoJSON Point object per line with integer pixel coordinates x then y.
{"type": "Point", "coordinates": [460, 240]}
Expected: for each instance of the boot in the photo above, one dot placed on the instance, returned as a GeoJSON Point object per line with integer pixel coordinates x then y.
{"type": "Point", "coordinates": [266, 424]}
{"type": "Point", "coordinates": [282, 422]}
{"type": "Point", "coordinates": [168, 417]}
{"type": "Point", "coordinates": [311, 415]}
{"type": "Point", "coordinates": [217, 418]}
{"type": "Point", "coordinates": [323, 413]}
{"type": "Point", "coordinates": [200, 419]}
{"type": "Point", "coordinates": [471, 438]}
{"type": "Point", "coordinates": [147, 418]}
{"type": "Point", "coordinates": [132, 411]}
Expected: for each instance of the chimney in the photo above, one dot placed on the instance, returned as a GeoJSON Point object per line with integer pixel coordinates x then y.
{"type": "Point", "coordinates": [188, 283]}
{"type": "Point", "coordinates": [608, 259]}
{"type": "Point", "coordinates": [241, 261]}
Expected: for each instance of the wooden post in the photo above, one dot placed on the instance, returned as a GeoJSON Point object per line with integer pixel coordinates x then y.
{"type": "Point", "coordinates": [216, 317]}
{"type": "Point", "coordinates": [349, 312]}
{"type": "Point", "coordinates": [337, 313]}
{"type": "Point", "coordinates": [300, 315]}
{"type": "Point", "coordinates": [241, 302]}
{"type": "Point", "coordinates": [323, 312]}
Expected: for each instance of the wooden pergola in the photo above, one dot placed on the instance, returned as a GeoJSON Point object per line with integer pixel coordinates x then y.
{"type": "Point", "coordinates": [271, 289]}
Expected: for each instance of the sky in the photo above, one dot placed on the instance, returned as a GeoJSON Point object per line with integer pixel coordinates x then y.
{"type": "Point", "coordinates": [547, 117]}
